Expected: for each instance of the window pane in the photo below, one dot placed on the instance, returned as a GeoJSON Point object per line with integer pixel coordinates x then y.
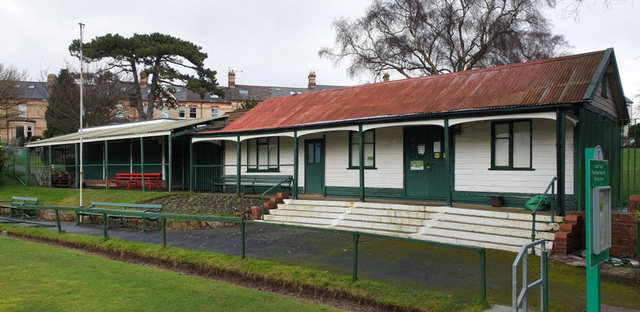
{"type": "Point", "coordinates": [263, 156]}
{"type": "Point", "coordinates": [355, 152]}
{"type": "Point", "coordinates": [368, 136]}
{"type": "Point", "coordinates": [501, 153]}
{"type": "Point", "coordinates": [273, 156]}
{"type": "Point", "coordinates": [251, 151]}
{"type": "Point", "coordinates": [318, 153]}
{"type": "Point", "coordinates": [521, 145]}
{"type": "Point", "coordinates": [502, 131]}
{"type": "Point", "coordinates": [368, 155]}
{"type": "Point", "coordinates": [310, 154]}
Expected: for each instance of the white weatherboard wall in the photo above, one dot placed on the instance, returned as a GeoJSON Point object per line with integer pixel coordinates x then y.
{"type": "Point", "coordinates": [473, 161]}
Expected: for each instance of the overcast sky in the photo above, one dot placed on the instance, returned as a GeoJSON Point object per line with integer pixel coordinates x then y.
{"type": "Point", "coordinates": [269, 43]}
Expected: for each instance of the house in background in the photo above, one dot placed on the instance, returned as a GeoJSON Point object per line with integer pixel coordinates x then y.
{"type": "Point", "coordinates": [454, 138]}
{"type": "Point", "coordinates": [25, 118]}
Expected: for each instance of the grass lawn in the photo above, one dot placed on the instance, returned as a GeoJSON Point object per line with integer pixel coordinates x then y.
{"type": "Point", "coordinates": [42, 278]}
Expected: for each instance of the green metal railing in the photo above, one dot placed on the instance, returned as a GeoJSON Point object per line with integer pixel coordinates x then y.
{"type": "Point", "coordinates": [533, 213]}
{"type": "Point", "coordinates": [290, 180]}
{"type": "Point", "coordinates": [520, 298]}
{"type": "Point", "coordinates": [355, 235]}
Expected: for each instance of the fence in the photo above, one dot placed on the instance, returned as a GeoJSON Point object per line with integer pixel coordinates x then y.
{"type": "Point", "coordinates": [355, 235]}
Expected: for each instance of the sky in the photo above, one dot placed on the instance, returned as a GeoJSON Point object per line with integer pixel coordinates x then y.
{"type": "Point", "coordinates": [267, 43]}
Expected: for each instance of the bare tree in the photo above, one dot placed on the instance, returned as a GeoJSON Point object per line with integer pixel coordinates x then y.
{"type": "Point", "coordinates": [11, 93]}
{"type": "Point", "coordinates": [429, 37]}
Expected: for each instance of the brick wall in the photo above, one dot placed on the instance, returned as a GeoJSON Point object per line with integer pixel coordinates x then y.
{"type": "Point", "coordinates": [624, 227]}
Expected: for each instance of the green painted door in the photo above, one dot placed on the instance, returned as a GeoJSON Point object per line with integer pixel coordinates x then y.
{"type": "Point", "coordinates": [314, 166]}
{"type": "Point", "coordinates": [425, 175]}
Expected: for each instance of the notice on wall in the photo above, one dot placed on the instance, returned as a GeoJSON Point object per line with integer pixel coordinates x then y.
{"type": "Point", "coordinates": [417, 165]}
{"type": "Point", "coordinates": [422, 149]}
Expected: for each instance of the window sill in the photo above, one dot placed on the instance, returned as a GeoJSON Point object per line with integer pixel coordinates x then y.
{"type": "Point", "coordinates": [512, 169]}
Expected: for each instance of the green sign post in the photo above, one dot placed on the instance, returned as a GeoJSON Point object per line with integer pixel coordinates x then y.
{"type": "Point", "coordinates": [598, 225]}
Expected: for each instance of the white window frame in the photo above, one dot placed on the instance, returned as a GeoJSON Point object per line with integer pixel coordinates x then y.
{"type": "Point", "coordinates": [193, 112]}
{"type": "Point", "coordinates": [182, 112]}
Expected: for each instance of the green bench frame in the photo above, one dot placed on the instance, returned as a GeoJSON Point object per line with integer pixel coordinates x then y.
{"type": "Point", "coordinates": [251, 181]}
{"type": "Point", "coordinates": [151, 208]}
{"type": "Point", "coordinates": [18, 203]}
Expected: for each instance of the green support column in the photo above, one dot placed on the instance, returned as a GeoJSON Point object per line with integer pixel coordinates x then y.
{"type": "Point", "coordinates": [447, 163]}
{"type": "Point", "coordinates": [170, 175]}
{"type": "Point", "coordinates": [106, 164]}
{"type": "Point", "coordinates": [50, 169]}
{"type": "Point", "coordinates": [142, 161]}
{"type": "Point", "coordinates": [238, 166]}
{"type": "Point", "coordinates": [190, 166]}
{"type": "Point", "coordinates": [76, 166]}
{"type": "Point", "coordinates": [27, 165]}
{"type": "Point", "coordinates": [295, 165]}
{"type": "Point", "coordinates": [560, 159]}
{"type": "Point", "coordinates": [361, 157]}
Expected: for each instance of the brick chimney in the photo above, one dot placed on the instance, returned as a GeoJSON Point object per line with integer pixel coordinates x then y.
{"type": "Point", "coordinates": [51, 78]}
{"type": "Point", "coordinates": [312, 79]}
{"type": "Point", "coordinates": [144, 78]}
{"type": "Point", "coordinates": [232, 78]}
{"type": "Point", "coordinates": [385, 77]}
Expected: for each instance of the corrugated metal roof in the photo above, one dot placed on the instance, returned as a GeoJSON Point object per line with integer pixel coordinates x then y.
{"type": "Point", "coordinates": [551, 81]}
{"type": "Point", "coordinates": [114, 132]}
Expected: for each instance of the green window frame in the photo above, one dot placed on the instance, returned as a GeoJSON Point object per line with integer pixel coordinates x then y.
{"type": "Point", "coordinates": [263, 155]}
{"type": "Point", "coordinates": [511, 145]}
{"type": "Point", "coordinates": [603, 86]}
{"type": "Point", "coordinates": [369, 149]}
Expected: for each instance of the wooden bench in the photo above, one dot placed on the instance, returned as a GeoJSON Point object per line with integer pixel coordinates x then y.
{"type": "Point", "coordinates": [251, 181]}
{"type": "Point", "coordinates": [130, 180]}
{"type": "Point", "coordinates": [150, 208]}
{"type": "Point", "coordinates": [17, 203]}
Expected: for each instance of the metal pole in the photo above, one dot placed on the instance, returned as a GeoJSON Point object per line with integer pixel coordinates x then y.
{"type": "Point", "coordinates": [105, 224]}
{"type": "Point", "coordinates": [81, 107]}
{"type": "Point", "coordinates": [295, 165]}
{"type": "Point", "coordinates": [356, 237]}
{"type": "Point", "coordinates": [560, 159]}
{"type": "Point", "coordinates": [191, 174]}
{"type": "Point", "coordinates": [58, 221]}
{"type": "Point", "coordinates": [545, 279]}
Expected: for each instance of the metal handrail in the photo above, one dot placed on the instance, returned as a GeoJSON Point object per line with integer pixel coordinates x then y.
{"type": "Point", "coordinates": [520, 298]}
{"type": "Point", "coordinates": [271, 188]}
{"type": "Point", "coordinates": [533, 213]}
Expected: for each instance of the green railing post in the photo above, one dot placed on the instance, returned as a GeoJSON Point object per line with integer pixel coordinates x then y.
{"type": "Point", "coordinates": [164, 231]}
{"type": "Point", "coordinates": [191, 174]}
{"type": "Point", "coordinates": [58, 221]}
{"type": "Point", "coordinates": [105, 225]}
{"type": "Point", "coordinates": [27, 164]}
{"type": "Point", "coordinates": [483, 273]}
{"type": "Point", "coordinates": [242, 236]}
{"type": "Point", "coordinates": [356, 237]}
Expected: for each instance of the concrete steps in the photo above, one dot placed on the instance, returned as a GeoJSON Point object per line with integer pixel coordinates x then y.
{"type": "Point", "coordinates": [506, 229]}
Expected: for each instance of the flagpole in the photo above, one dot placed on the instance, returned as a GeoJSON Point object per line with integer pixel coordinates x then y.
{"type": "Point", "coordinates": [81, 109]}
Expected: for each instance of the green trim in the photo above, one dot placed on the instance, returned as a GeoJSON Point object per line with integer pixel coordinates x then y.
{"type": "Point", "coordinates": [517, 200]}
{"type": "Point", "coordinates": [511, 169]}
{"type": "Point", "coordinates": [590, 94]}
{"type": "Point", "coordinates": [353, 145]}
{"type": "Point", "coordinates": [510, 124]}
{"type": "Point", "coordinates": [264, 170]}
{"type": "Point", "coordinates": [365, 168]}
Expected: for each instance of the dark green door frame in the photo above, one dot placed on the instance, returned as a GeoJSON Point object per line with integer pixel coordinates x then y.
{"type": "Point", "coordinates": [314, 166]}
{"type": "Point", "coordinates": [295, 165]}
{"type": "Point", "coordinates": [560, 159]}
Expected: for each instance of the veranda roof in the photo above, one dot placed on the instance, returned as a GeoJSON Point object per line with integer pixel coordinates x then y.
{"type": "Point", "coordinates": [570, 79]}
{"type": "Point", "coordinates": [152, 128]}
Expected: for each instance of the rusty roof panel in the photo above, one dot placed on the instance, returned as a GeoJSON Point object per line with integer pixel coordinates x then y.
{"type": "Point", "coordinates": [552, 81]}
